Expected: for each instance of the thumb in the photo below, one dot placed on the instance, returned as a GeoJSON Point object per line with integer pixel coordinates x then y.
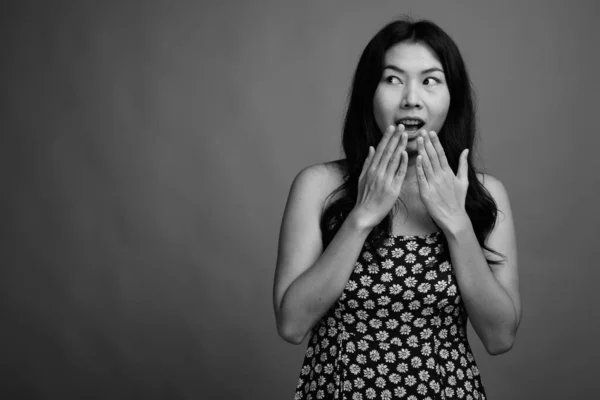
{"type": "Point", "coordinates": [463, 165]}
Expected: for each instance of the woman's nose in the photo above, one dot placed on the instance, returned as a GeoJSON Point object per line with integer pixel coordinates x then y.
{"type": "Point", "coordinates": [411, 97]}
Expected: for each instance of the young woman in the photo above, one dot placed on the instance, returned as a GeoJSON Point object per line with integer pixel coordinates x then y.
{"type": "Point", "coordinates": [384, 255]}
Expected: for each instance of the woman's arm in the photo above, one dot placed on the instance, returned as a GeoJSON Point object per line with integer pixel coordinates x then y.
{"type": "Point", "coordinates": [309, 280]}
{"type": "Point", "coordinates": [302, 295]}
{"type": "Point", "coordinates": [490, 293]}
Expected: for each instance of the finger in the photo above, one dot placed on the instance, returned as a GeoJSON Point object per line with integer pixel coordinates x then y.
{"type": "Point", "coordinates": [382, 145]}
{"type": "Point", "coordinates": [401, 174]}
{"type": "Point", "coordinates": [392, 167]}
{"type": "Point", "coordinates": [463, 165]}
{"type": "Point", "coordinates": [421, 178]}
{"type": "Point", "coordinates": [435, 140]}
{"type": "Point", "coordinates": [389, 150]}
{"type": "Point", "coordinates": [367, 162]}
{"type": "Point", "coordinates": [432, 152]}
{"type": "Point", "coordinates": [426, 163]}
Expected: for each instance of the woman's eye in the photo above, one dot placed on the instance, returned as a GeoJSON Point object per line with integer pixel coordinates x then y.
{"type": "Point", "coordinates": [431, 81]}
{"type": "Point", "coordinates": [392, 79]}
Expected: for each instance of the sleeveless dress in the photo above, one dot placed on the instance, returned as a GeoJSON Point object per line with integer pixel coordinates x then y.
{"type": "Point", "coordinates": [398, 330]}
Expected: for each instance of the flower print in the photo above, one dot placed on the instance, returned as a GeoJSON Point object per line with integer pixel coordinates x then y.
{"type": "Point", "coordinates": [375, 323]}
{"type": "Point", "coordinates": [384, 346]}
{"type": "Point", "coordinates": [445, 266]}
{"type": "Point", "coordinates": [451, 290]}
{"type": "Point", "coordinates": [461, 348]}
{"type": "Point", "coordinates": [349, 318]}
{"type": "Point", "coordinates": [448, 320]}
{"type": "Point", "coordinates": [309, 352]}
{"type": "Point", "coordinates": [391, 324]}
{"type": "Point", "coordinates": [468, 385]}
{"type": "Point", "coordinates": [453, 330]}
{"type": "Point", "coordinates": [436, 321]}
{"type": "Point", "coordinates": [429, 261]}
{"type": "Point", "coordinates": [430, 275]}
{"type": "Point", "coordinates": [370, 393]}
{"type": "Point", "coordinates": [426, 349]}
{"type": "Point", "coordinates": [422, 389]}
{"type": "Point", "coordinates": [440, 286]}
{"type": "Point", "coordinates": [333, 350]}
{"type": "Point", "coordinates": [412, 245]}
{"type": "Point", "coordinates": [380, 382]}
{"type": "Point", "coordinates": [395, 289]}
{"type": "Point", "coordinates": [378, 288]}
{"type": "Point", "coordinates": [361, 359]}
{"type": "Point", "coordinates": [352, 303]}
{"type": "Point", "coordinates": [425, 250]}
{"type": "Point", "coordinates": [427, 311]}
{"type": "Point", "coordinates": [386, 277]}
{"type": "Point", "coordinates": [424, 287]}
{"type": "Point", "coordinates": [367, 281]}
{"type": "Point", "coordinates": [410, 380]}
{"type": "Point", "coordinates": [416, 362]}
{"type": "Point", "coordinates": [444, 353]}
{"type": "Point", "coordinates": [357, 396]}
{"type": "Point", "coordinates": [410, 258]}
{"type": "Point", "coordinates": [449, 392]}
{"type": "Point", "coordinates": [367, 256]}
{"type": "Point", "coordinates": [383, 301]}
{"type": "Point", "coordinates": [403, 367]}
{"type": "Point", "coordinates": [362, 293]}
{"type": "Point", "coordinates": [305, 370]}
{"type": "Point", "coordinates": [369, 373]}
{"type": "Point", "coordinates": [373, 268]}
{"type": "Point", "coordinates": [442, 303]}
{"type": "Point", "coordinates": [452, 380]}
{"type": "Point", "coordinates": [323, 357]}
{"type": "Point", "coordinates": [414, 305]}
{"type": "Point", "coordinates": [388, 242]}
{"type": "Point", "coordinates": [454, 354]}
{"type": "Point", "coordinates": [389, 357]}
{"type": "Point", "coordinates": [383, 369]}
{"type": "Point", "coordinates": [351, 285]}
{"type": "Point", "coordinates": [382, 252]}
{"type": "Point", "coordinates": [404, 330]}
{"type": "Point", "coordinates": [324, 343]}
{"type": "Point", "coordinates": [443, 334]}
{"type": "Point", "coordinates": [426, 333]}
{"type": "Point", "coordinates": [361, 314]}
{"type": "Point", "coordinates": [395, 378]}
{"type": "Point", "coordinates": [382, 336]}
{"type": "Point", "coordinates": [460, 393]}
{"type": "Point", "coordinates": [369, 304]}
{"type": "Point", "coordinates": [470, 357]}
{"type": "Point", "coordinates": [450, 366]}
{"type": "Point", "coordinates": [359, 383]}
{"type": "Point", "coordinates": [403, 354]}
{"type": "Point", "coordinates": [406, 317]}
{"type": "Point", "coordinates": [449, 308]}
{"type": "Point", "coordinates": [412, 341]}
{"type": "Point", "coordinates": [386, 395]}
{"type": "Point", "coordinates": [460, 374]}
{"type": "Point", "coordinates": [435, 386]}
{"type": "Point", "coordinates": [332, 331]}
{"type": "Point", "coordinates": [322, 331]}
{"type": "Point", "coordinates": [382, 313]}
{"type": "Point", "coordinates": [463, 363]}
{"type": "Point", "coordinates": [429, 299]}
{"type": "Point", "coordinates": [374, 355]}
{"type": "Point", "coordinates": [417, 268]}
{"type": "Point", "coordinates": [387, 264]}
{"type": "Point", "coordinates": [361, 327]}
{"type": "Point", "coordinates": [408, 295]}
{"type": "Point", "coordinates": [397, 307]}
{"type": "Point", "coordinates": [396, 341]}
{"type": "Point", "coordinates": [399, 392]}
{"type": "Point", "coordinates": [400, 270]}
{"type": "Point", "coordinates": [410, 281]}
{"type": "Point", "coordinates": [397, 253]}
{"type": "Point", "coordinates": [475, 370]}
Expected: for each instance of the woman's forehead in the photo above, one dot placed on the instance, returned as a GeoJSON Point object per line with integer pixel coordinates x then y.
{"type": "Point", "coordinates": [412, 57]}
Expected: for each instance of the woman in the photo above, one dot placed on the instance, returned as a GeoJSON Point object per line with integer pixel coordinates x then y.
{"type": "Point", "coordinates": [384, 255]}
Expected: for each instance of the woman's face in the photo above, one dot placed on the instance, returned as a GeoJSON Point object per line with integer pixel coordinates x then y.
{"type": "Point", "coordinates": [412, 89]}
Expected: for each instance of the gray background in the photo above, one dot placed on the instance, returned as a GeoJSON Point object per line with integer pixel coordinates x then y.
{"type": "Point", "coordinates": [146, 156]}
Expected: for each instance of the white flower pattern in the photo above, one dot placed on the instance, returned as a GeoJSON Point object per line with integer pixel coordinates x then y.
{"type": "Point", "coordinates": [397, 331]}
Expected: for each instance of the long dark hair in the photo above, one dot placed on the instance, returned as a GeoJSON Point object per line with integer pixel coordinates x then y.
{"type": "Point", "coordinates": [361, 130]}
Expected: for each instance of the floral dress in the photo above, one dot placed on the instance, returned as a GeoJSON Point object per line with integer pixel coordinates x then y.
{"type": "Point", "coordinates": [398, 330]}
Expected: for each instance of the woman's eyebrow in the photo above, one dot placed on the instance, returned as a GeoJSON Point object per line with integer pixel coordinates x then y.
{"type": "Point", "coordinates": [425, 71]}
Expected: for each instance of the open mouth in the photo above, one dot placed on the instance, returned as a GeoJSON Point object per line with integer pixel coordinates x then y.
{"type": "Point", "coordinates": [411, 124]}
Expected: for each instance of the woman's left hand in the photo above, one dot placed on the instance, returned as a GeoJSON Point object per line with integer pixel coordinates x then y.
{"type": "Point", "coordinates": [442, 192]}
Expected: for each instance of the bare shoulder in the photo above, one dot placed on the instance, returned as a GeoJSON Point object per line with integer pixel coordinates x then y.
{"type": "Point", "coordinates": [321, 179]}
{"type": "Point", "coordinates": [496, 189]}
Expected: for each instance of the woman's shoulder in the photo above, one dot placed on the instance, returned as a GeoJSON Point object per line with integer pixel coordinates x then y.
{"type": "Point", "coordinates": [320, 180]}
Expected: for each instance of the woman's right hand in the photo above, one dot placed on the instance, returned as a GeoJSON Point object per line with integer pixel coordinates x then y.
{"type": "Point", "coordinates": [381, 178]}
